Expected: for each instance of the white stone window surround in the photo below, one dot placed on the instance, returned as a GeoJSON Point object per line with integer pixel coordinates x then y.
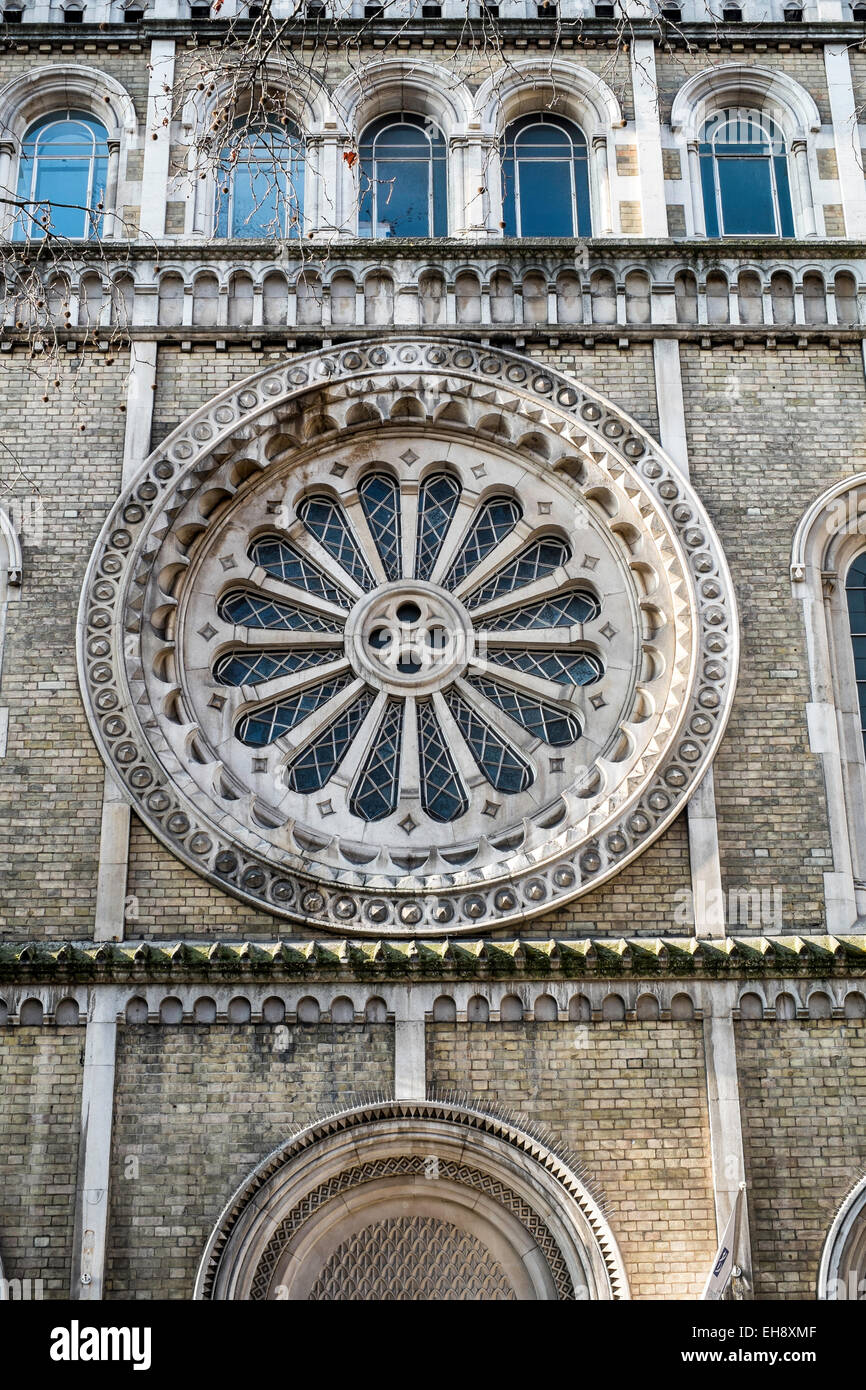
{"type": "Point", "coordinates": [59, 87]}
{"type": "Point", "coordinates": [843, 1258]}
{"type": "Point", "coordinates": [472, 127]}
{"type": "Point", "coordinates": [826, 542]}
{"type": "Point", "coordinates": [10, 590]}
{"type": "Point", "coordinates": [793, 110]}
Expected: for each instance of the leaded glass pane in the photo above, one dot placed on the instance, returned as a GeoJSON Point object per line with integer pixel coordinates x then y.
{"type": "Point", "coordinates": [284, 562]}
{"type": "Point", "coordinates": [377, 790]}
{"type": "Point", "coordinates": [437, 503]}
{"type": "Point", "coordinates": [244, 667]}
{"type": "Point", "coordinates": [545, 721]}
{"type": "Point", "coordinates": [263, 725]}
{"type": "Point", "coordinates": [318, 762]}
{"type": "Point", "coordinates": [504, 768]}
{"type": "Point", "coordinates": [328, 524]}
{"type": "Point", "coordinates": [443, 795]}
{"type": "Point", "coordinates": [248, 609]}
{"type": "Point", "coordinates": [564, 610]}
{"type": "Point", "coordinates": [566, 668]}
{"type": "Point", "coordinates": [495, 520]}
{"type": "Point", "coordinates": [380, 499]}
{"type": "Point", "coordinates": [537, 561]}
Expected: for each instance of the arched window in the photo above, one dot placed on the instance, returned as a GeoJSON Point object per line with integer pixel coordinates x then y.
{"type": "Point", "coordinates": [855, 590]}
{"type": "Point", "coordinates": [744, 175]}
{"type": "Point", "coordinates": [261, 181]}
{"type": "Point", "coordinates": [62, 177]}
{"type": "Point", "coordinates": [545, 178]}
{"type": "Point", "coordinates": [403, 178]}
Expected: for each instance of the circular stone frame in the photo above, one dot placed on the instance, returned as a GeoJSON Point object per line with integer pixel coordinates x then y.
{"type": "Point", "coordinates": [368, 1160]}
{"type": "Point", "coordinates": [315, 402]}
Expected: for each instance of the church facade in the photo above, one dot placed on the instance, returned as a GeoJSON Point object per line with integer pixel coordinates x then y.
{"type": "Point", "coordinates": [432, 650]}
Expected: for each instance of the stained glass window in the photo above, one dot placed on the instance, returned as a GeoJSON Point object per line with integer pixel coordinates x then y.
{"type": "Point", "coordinates": [377, 789]}
{"type": "Point", "coordinates": [537, 561]}
{"type": "Point", "coordinates": [501, 764]}
{"type": "Point", "coordinates": [855, 588]}
{"type": "Point", "coordinates": [380, 499]}
{"type": "Point", "coordinates": [265, 724]}
{"type": "Point", "coordinates": [249, 609]}
{"type": "Point", "coordinates": [283, 561]}
{"type": "Point", "coordinates": [437, 503]}
{"type": "Point", "coordinates": [552, 725]}
{"type": "Point", "coordinates": [327, 522]}
{"type": "Point", "coordinates": [318, 762]}
{"type": "Point", "coordinates": [566, 668]}
{"type": "Point", "coordinates": [495, 520]}
{"type": "Point", "coordinates": [564, 610]}
{"type": "Point", "coordinates": [744, 175]}
{"type": "Point", "coordinates": [247, 667]}
{"type": "Point", "coordinates": [443, 795]}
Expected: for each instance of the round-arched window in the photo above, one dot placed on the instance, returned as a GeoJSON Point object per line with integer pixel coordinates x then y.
{"type": "Point", "coordinates": [744, 175]}
{"type": "Point", "coordinates": [545, 178]}
{"type": "Point", "coordinates": [62, 178]}
{"type": "Point", "coordinates": [403, 189]}
{"type": "Point", "coordinates": [260, 190]}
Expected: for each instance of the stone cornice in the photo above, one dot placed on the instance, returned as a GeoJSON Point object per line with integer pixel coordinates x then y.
{"type": "Point", "coordinates": [482, 958]}
{"type": "Point", "coordinates": [568, 34]}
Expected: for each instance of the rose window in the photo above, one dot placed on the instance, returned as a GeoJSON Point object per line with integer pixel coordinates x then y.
{"type": "Point", "coordinates": [419, 656]}
{"type": "Point", "coordinates": [408, 650]}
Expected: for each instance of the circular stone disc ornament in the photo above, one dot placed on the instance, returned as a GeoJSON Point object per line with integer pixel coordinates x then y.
{"type": "Point", "coordinates": [412, 638]}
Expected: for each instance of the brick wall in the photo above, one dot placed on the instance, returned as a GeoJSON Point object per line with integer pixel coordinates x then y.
{"type": "Point", "coordinates": [630, 1100]}
{"type": "Point", "coordinates": [196, 1108]}
{"type": "Point", "coordinates": [767, 433]}
{"type": "Point", "coordinates": [40, 1116]}
{"type": "Point", "coordinates": [66, 453]}
{"type": "Point", "coordinates": [803, 1099]}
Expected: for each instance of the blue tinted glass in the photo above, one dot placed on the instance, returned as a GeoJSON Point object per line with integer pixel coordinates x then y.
{"type": "Point", "coordinates": [783, 194]}
{"type": "Point", "coordinates": [545, 198]}
{"type": "Point", "coordinates": [746, 190]}
{"type": "Point", "coordinates": [403, 184]}
{"type": "Point", "coordinates": [65, 164]}
{"type": "Point", "coordinates": [856, 594]}
{"type": "Point", "coordinates": [403, 192]}
{"type": "Point", "coordinates": [542, 140]}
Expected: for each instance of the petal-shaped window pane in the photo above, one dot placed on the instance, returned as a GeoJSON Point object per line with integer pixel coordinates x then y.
{"type": "Point", "coordinates": [537, 561]}
{"type": "Point", "coordinates": [248, 609]}
{"type": "Point", "coordinates": [545, 721]}
{"type": "Point", "coordinates": [855, 587]}
{"type": "Point", "coordinates": [564, 610]}
{"type": "Point", "coordinates": [380, 499]}
{"type": "Point", "coordinates": [566, 668]}
{"type": "Point", "coordinates": [318, 762]}
{"type": "Point", "coordinates": [437, 503]}
{"type": "Point", "coordinates": [495, 520]}
{"type": "Point", "coordinates": [263, 725]}
{"type": "Point", "coordinates": [246, 667]}
{"type": "Point", "coordinates": [377, 788]}
{"type": "Point", "coordinates": [328, 524]}
{"type": "Point", "coordinates": [443, 795]}
{"type": "Point", "coordinates": [504, 768]}
{"type": "Point", "coordinates": [284, 562]}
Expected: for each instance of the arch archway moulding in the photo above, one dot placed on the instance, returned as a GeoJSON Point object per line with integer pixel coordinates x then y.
{"type": "Point", "coordinates": [630, 583]}
{"type": "Point", "coordinates": [842, 1272]}
{"type": "Point", "coordinates": [510, 1217]}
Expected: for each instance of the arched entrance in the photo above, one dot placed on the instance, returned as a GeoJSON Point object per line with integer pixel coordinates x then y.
{"type": "Point", "coordinates": [842, 1273]}
{"type": "Point", "coordinates": [412, 1201]}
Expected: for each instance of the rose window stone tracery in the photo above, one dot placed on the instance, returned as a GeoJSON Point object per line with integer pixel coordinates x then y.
{"type": "Point", "coordinates": [404, 650]}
